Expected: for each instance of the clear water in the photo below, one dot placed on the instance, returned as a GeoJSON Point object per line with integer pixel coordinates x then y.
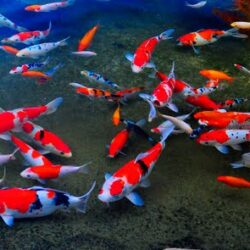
{"type": "Point", "coordinates": [185, 206]}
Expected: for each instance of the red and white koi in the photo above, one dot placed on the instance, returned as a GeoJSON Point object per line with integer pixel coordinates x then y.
{"type": "Point", "coordinates": [26, 67]}
{"type": "Point", "coordinates": [222, 138]}
{"type": "Point", "coordinates": [242, 68]}
{"type": "Point", "coordinates": [28, 37]}
{"type": "Point", "coordinates": [143, 54]}
{"type": "Point", "coordinates": [5, 22]}
{"type": "Point", "coordinates": [48, 141]}
{"type": "Point", "coordinates": [18, 203]}
{"type": "Point", "coordinates": [52, 172]}
{"type": "Point", "coordinates": [31, 156]}
{"type": "Point", "coordinates": [13, 120]}
{"type": "Point", "coordinates": [133, 174]}
{"type": "Point", "coordinates": [35, 51]}
{"type": "Point", "coordinates": [49, 6]}
{"type": "Point", "coordinates": [206, 36]}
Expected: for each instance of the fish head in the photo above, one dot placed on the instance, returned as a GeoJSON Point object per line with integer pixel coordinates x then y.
{"type": "Point", "coordinates": [28, 174]}
{"type": "Point", "coordinates": [15, 70]}
{"type": "Point", "coordinates": [207, 138]}
{"type": "Point", "coordinates": [35, 8]}
{"type": "Point", "coordinates": [22, 53]}
{"type": "Point", "coordinates": [112, 190]}
{"type": "Point", "coordinates": [7, 40]}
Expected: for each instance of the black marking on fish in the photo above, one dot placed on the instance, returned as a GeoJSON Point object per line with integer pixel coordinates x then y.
{"type": "Point", "coordinates": [41, 134]}
{"type": "Point", "coordinates": [36, 205]}
{"type": "Point", "coordinates": [143, 167]}
{"type": "Point", "coordinates": [61, 199]}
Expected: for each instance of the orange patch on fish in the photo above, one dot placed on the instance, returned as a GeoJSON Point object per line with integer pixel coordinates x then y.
{"type": "Point", "coordinates": [116, 118]}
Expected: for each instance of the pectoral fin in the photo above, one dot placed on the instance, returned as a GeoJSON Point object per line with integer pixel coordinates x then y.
{"type": "Point", "coordinates": [129, 57]}
{"type": "Point", "coordinates": [222, 148]}
{"type": "Point", "coordinates": [236, 147]}
{"type": "Point", "coordinates": [145, 183]}
{"type": "Point", "coordinates": [172, 107]}
{"type": "Point", "coordinates": [150, 65]}
{"type": "Point", "coordinates": [8, 220]}
{"type": "Point", "coordinates": [107, 176]}
{"type": "Point", "coordinates": [135, 199]}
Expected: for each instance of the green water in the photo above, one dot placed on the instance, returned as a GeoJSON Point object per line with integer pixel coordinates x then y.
{"type": "Point", "coordinates": [185, 205]}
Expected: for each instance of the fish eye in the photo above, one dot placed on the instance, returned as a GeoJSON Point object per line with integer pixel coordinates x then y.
{"type": "Point", "coordinates": [28, 175]}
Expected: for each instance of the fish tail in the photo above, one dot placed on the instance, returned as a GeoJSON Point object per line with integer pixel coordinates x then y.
{"type": "Point", "coordinates": [63, 42]}
{"type": "Point", "coordinates": [84, 169]}
{"type": "Point", "coordinates": [53, 105]}
{"type": "Point", "coordinates": [166, 132]}
{"type": "Point", "coordinates": [235, 33]}
{"type": "Point", "coordinates": [52, 71]}
{"type": "Point", "coordinates": [238, 164]}
{"type": "Point", "coordinates": [172, 74]}
{"type": "Point", "coordinates": [166, 34]}
{"type": "Point", "coordinates": [20, 29]}
{"type": "Point", "coordinates": [13, 154]}
{"type": "Point", "coordinates": [81, 206]}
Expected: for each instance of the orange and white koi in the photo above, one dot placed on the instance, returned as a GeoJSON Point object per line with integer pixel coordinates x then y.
{"type": "Point", "coordinates": [28, 37]}
{"type": "Point", "coordinates": [18, 203]}
{"type": "Point", "coordinates": [116, 118]}
{"type": "Point", "coordinates": [31, 156]}
{"type": "Point", "coordinates": [207, 36]}
{"type": "Point", "coordinates": [13, 120]}
{"type": "Point", "coordinates": [234, 181]}
{"type": "Point", "coordinates": [222, 138]}
{"type": "Point", "coordinates": [35, 51]}
{"type": "Point", "coordinates": [48, 141]}
{"type": "Point", "coordinates": [9, 49]}
{"type": "Point", "coordinates": [87, 39]}
{"type": "Point", "coordinates": [52, 172]}
{"type": "Point", "coordinates": [49, 6]}
{"type": "Point", "coordinates": [133, 174]}
{"type": "Point", "coordinates": [143, 54]}
{"type": "Point", "coordinates": [5, 22]}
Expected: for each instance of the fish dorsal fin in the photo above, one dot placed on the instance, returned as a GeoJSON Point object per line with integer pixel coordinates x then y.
{"type": "Point", "coordinates": [107, 176]}
{"type": "Point", "coordinates": [8, 220]}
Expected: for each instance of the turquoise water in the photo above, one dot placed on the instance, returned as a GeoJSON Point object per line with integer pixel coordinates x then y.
{"type": "Point", "coordinates": [185, 206]}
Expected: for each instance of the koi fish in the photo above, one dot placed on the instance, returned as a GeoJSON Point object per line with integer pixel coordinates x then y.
{"type": "Point", "coordinates": [35, 202]}
{"type": "Point", "coordinates": [13, 120]}
{"type": "Point", "coordinates": [84, 53]}
{"type": "Point", "coordinates": [161, 96]}
{"type": "Point", "coordinates": [241, 25]}
{"type": "Point", "coordinates": [116, 118]}
{"type": "Point", "coordinates": [90, 92]}
{"type": "Point", "coordinates": [241, 68]}
{"type": "Point", "coordinates": [42, 77]}
{"type": "Point", "coordinates": [143, 54]}
{"type": "Point", "coordinates": [98, 78]}
{"type": "Point", "coordinates": [87, 39]}
{"type": "Point", "coordinates": [133, 174]}
{"type": "Point", "coordinates": [234, 181]}
{"type": "Point", "coordinates": [52, 172]}
{"type": "Point", "coordinates": [32, 157]}
{"type": "Point", "coordinates": [9, 49]}
{"type": "Point", "coordinates": [28, 37]}
{"type": "Point", "coordinates": [244, 162]}
{"type": "Point", "coordinates": [125, 94]}
{"type": "Point", "coordinates": [222, 138]}
{"type": "Point", "coordinates": [25, 67]}
{"type": "Point", "coordinates": [206, 36]}
{"type": "Point", "coordinates": [48, 141]}
{"type": "Point", "coordinates": [50, 6]}
{"type": "Point", "coordinates": [196, 5]}
{"type": "Point", "coordinates": [9, 157]}
{"type": "Point", "coordinates": [41, 49]}
{"type": "Point", "coordinates": [216, 75]}
{"type": "Point", "coordinates": [5, 22]}
{"type": "Point", "coordinates": [203, 102]}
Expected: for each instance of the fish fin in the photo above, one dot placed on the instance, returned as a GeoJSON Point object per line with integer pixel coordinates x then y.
{"type": "Point", "coordinates": [145, 183]}
{"type": "Point", "coordinates": [171, 74]}
{"type": "Point", "coordinates": [141, 156]}
{"type": "Point", "coordinates": [172, 107]}
{"type": "Point", "coordinates": [129, 57]}
{"type": "Point", "coordinates": [196, 50]}
{"type": "Point", "coordinates": [82, 205]}
{"type": "Point", "coordinates": [166, 34]}
{"type": "Point", "coordinates": [43, 151]}
{"type": "Point", "coordinates": [43, 182]}
{"type": "Point", "coordinates": [63, 42]}
{"type": "Point", "coordinates": [76, 85]}
{"type": "Point", "coordinates": [135, 199]}
{"type": "Point", "coordinates": [122, 153]}
{"type": "Point", "coordinates": [8, 220]}
{"type": "Point", "coordinates": [53, 105]}
{"type": "Point", "coordinates": [46, 61]}
{"type": "Point", "coordinates": [2, 110]}
{"type": "Point", "coordinates": [5, 136]}
{"type": "Point", "coordinates": [2, 180]}
{"type": "Point", "coordinates": [238, 164]}
{"type": "Point", "coordinates": [152, 112]}
{"type": "Point", "coordinates": [166, 132]}
{"type": "Point", "coordinates": [150, 65]}
{"type": "Point", "coordinates": [141, 122]}
{"type": "Point", "coordinates": [52, 71]}
{"type": "Point", "coordinates": [236, 147]}
{"type": "Point", "coordinates": [235, 33]}
{"type": "Point", "coordinates": [26, 163]}
{"type": "Point", "coordinates": [84, 169]}
{"type": "Point", "coordinates": [222, 148]}
{"type": "Point", "coordinates": [107, 176]}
